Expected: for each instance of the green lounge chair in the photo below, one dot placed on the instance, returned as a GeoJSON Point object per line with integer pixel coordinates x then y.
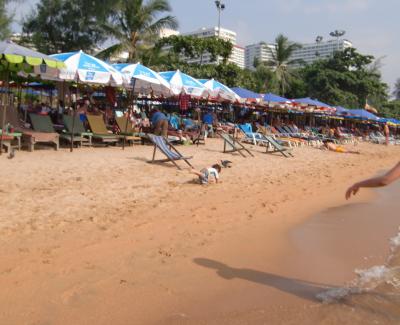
{"type": "Point", "coordinates": [100, 131]}
{"type": "Point", "coordinates": [80, 134]}
{"type": "Point", "coordinates": [285, 151]}
{"type": "Point", "coordinates": [127, 130]}
{"type": "Point", "coordinates": [42, 124]}
{"type": "Point", "coordinates": [235, 145]}
{"type": "Point", "coordinates": [168, 150]}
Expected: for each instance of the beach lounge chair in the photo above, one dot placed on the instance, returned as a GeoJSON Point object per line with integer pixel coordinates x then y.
{"type": "Point", "coordinates": [81, 136]}
{"type": "Point", "coordinates": [287, 152]}
{"type": "Point", "coordinates": [100, 131]}
{"type": "Point", "coordinates": [43, 124]}
{"type": "Point", "coordinates": [127, 130]}
{"type": "Point", "coordinates": [168, 150]}
{"type": "Point", "coordinates": [250, 136]}
{"type": "Point", "coordinates": [6, 141]}
{"type": "Point", "coordinates": [235, 145]}
{"type": "Point", "coordinates": [28, 136]}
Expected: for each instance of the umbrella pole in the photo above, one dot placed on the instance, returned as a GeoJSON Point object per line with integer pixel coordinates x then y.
{"type": "Point", "coordinates": [74, 100]}
{"type": "Point", "coordinates": [5, 105]}
{"type": "Point", "coordinates": [130, 103]}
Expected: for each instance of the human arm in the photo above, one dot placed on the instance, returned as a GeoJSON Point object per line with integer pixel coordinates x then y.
{"type": "Point", "coordinates": [380, 181]}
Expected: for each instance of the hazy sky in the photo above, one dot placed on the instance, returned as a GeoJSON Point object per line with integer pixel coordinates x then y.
{"type": "Point", "coordinates": [372, 25]}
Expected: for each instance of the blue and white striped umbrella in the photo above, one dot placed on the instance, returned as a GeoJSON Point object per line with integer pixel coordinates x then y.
{"type": "Point", "coordinates": [182, 83]}
{"type": "Point", "coordinates": [219, 90]}
{"type": "Point", "coordinates": [85, 68]}
{"type": "Point", "coordinates": [142, 79]}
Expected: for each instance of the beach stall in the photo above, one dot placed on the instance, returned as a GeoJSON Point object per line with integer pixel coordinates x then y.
{"type": "Point", "coordinates": [16, 59]}
{"type": "Point", "coordinates": [86, 69]}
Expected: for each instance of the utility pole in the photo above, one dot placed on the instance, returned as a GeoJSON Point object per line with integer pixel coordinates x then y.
{"type": "Point", "coordinates": [220, 7]}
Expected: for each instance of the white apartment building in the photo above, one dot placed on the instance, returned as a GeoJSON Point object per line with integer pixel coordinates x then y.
{"type": "Point", "coordinates": [237, 56]}
{"type": "Point", "coordinates": [261, 51]}
{"type": "Point", "coordinates": [315, 51]}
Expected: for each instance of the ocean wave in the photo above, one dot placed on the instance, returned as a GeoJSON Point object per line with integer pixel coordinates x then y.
{"type": "Point", "coordinates": [369, 279]}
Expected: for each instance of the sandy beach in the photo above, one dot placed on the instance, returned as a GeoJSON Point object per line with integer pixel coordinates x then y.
{"type": "Point", "coordinates": [100, 236]}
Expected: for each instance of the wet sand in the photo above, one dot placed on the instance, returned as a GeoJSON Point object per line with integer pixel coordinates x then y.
{"type": "Point", "coordinates": [100, 236]}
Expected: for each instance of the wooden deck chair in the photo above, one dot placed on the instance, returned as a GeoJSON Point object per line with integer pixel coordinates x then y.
{"type": "Point", "coordinates": [100, 131]}
{"type": "Point", "coordinates": [44, 130]}
{"type": "Point", "coordinates": [130, 135]}
{"type": "Point", "coordinates": [235, 145]}
{"type": "Point", "coordinates": [81, 136]}
{"type": "Point", "coordinates": [168, 150]}
{"type": "Point", "coordinates": [285, 151]}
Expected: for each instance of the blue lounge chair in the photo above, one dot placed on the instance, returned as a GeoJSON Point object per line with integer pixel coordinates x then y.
{"type": "Point", "coordinates": [168, 150]}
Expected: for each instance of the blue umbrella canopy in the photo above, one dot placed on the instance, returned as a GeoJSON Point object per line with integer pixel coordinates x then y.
{"type": "Point", "coordinates": [274, 98]}
{"type": "Point", "coordinates": [311, 102]}
{"type": "Point", "coordinates": [245, 93]}
{"type": "Point", "coordinates": [362, 113]}
{"type": "Point", "coordinates": [142, 79]}
{"type": "Point", "coordinates": [219, 90]}
{"type": "Point", "coordinates": [182, 83]}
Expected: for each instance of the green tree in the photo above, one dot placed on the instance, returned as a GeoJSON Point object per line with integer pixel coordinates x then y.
{"type": "Point", "coordinates": [282, 64]}
{"type": "Point", "coordinates": [345, 79]}
{"type": "Point", "coordinates": [5, 20]}
{"type": "Point", "coordinates": [195, 47]}
{"type": "Point", "coordinates": [396, 91]}
{"type": "Point", "coordinates": [135, 25]}
{"type": "Point", "coordinates": [66, 25]}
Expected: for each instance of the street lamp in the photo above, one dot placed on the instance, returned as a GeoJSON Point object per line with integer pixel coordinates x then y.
{"type": "Point", "coordinates": [318, 40]}
{"type": "Point", "coordinates": [220, 7]}
{"type": "Point", "coordinates": [338, 34]}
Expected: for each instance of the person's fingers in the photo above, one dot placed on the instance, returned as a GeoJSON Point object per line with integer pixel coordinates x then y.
{"type": "Point", "coordinates": [348, 193]}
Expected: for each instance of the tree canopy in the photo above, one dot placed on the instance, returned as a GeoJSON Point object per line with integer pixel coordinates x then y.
{"type": "Point", "coordinates": [66, 25]}
{"type": "Point", "coordinates": [5, 20]}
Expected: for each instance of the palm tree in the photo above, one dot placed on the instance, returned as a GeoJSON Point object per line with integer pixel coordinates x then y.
{"type": "Point", "coordinates": [281, 63]}
{"type": "Point", "coordinates": [396, 91]}
{"type": "Point", "coordinates": [135, 25]}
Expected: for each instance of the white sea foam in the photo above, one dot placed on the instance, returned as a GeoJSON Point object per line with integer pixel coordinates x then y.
{"type": "Point", "coordinates": [368, 279]}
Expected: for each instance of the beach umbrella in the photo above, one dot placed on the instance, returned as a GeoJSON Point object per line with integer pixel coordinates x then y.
{"type": "Point", "coordinates": [16, 58]}
{"type": "Point", "coordinates": [84, 68]}
{"type": "Point", "coordinates": [182, 83]}
{"type": "Point", "coordinates": [218, 89]}
{"type": "Point", "coordinates": [362, 113]}
{"type": "Point", "coordinates": [246, 94]}
{"type": "Point", "coordinates": [142, 79]}
{"type": "Point", "coordinates": [272, 98]}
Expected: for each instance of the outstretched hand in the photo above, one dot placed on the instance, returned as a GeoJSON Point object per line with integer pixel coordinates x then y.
{"type": "Point", "coordinates": [352, 190]}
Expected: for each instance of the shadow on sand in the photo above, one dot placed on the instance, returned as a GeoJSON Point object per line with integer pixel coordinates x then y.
{"type": "Point", "coordinates": [300, 288]}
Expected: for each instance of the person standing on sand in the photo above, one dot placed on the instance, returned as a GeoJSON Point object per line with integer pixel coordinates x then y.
{"type": "Point", "coordinates": [386, 131]}
{"type": "Point", "coordinates": [388, 178]}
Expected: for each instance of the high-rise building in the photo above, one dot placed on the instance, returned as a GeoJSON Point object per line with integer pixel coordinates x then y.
{"type": "Point", "coordinates": [261, 51]}
{"type": "Point", "coordinates": [237, 56]}
{"type": "Point", "coordinates": [320, 50]}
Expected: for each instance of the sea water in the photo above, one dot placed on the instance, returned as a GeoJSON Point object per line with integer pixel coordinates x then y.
{"type": "Point", "coordinates": [373, 295]}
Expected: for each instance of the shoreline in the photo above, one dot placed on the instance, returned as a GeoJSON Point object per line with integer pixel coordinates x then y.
{"type": "Point", "coordinates": [135, 257]}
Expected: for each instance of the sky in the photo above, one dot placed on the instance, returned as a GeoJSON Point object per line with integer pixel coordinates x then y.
{"type": "Point", "coordinates": [371, 25]}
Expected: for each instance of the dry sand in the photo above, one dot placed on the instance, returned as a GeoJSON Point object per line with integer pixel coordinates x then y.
{"type": "Point", "coordinates": [99, 236]}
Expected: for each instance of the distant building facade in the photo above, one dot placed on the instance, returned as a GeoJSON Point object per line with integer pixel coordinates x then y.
{"type": "Point", "coordinates": [261, 51]}
{"type": "Point", "coordinates": [312, 52]}
{"type": "Point", "coordinates": [238, 53]}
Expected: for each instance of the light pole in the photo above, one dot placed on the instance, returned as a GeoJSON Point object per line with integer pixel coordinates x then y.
{"type": "Point", "coordinates": [338, 34]}
{"type": "Point", "coordinates": [220, 7]}
{"type": "Point", "coordinates": [318, 40]}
